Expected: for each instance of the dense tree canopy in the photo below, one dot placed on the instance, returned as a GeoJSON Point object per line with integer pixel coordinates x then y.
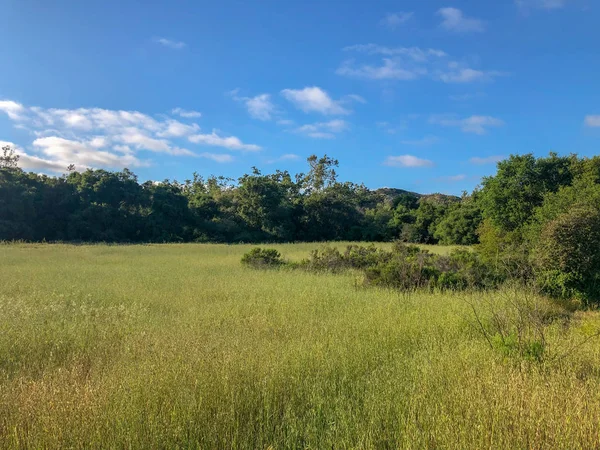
{"type": "Point", "coordinates": [98, 205]}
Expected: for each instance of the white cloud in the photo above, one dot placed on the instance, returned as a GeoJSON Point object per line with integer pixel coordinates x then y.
{"type": "Point", "coordinates": [63, 152]}
{"type": "Point", "coordinates": [414, 53]}
{"type": "Point", "coordinates": [12, 109]}
{"type": "Point", "coordinates": [286, 157]}
{"type": "Point", "coordinates": [455, 20]}
{"type": "Point", "coordinates": [178, 129]}
{"type": "Point", "coordinates": [472, 124]}
{"type": "Point", "coordinates": [411, 63]}
{"type": "Point", "coordinates": [176, 45]}
{"type": "Point", "coordinates": [486, 160]}
{"type": "Point", "coordinates": [394, 20]}
{"type": "Point", "coordinates": [540, 4]}
{"type": "Point", "coordinates": [217, 157]}
{"type": "Point", "coordinates": [353, 98]}
{"type": "Point", "coordinates": [390, 70]}
{"type": "Point", "coordinates": [230, 142]}
{"type": "Point", "coordinates": [407, 161]}
{"type": "Point", "coordinates": [96, 137]}
{"type": "Point", "coordinates": [188, 114]}
{"type": "Point", "coordinates": [314, 99]}
{"type": "Point", "coordinates": [592, 121]}
{"type": "Point", "coordinates": [260, 107]}
{"type": "Point", "coordinates": [458, 74]}
{"type": "Point", "coordinates": [323, 130]}
{"type": "Point", "coordinates": [427, 140]}
{"type": "Point", "coordinates": [285, 122]}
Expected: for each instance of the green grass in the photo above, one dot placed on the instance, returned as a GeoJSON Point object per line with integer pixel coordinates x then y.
{"type": "Point", "coordinates": [167, 346]}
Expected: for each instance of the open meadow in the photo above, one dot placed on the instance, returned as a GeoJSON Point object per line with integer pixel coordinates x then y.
{"type": "Point", "coordinates": [180, 346]}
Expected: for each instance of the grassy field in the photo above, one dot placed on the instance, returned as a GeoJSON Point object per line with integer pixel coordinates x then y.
{"type": "Point", "coordinates": [179, 346]}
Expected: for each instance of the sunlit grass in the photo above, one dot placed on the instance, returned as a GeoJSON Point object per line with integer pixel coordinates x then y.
{"type": "Point", "coordinates": [166, 346]}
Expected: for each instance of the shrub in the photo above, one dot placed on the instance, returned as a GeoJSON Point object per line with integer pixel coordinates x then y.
{"type": "Point", "coordinates": [325, 259]}
{"type": "Point", "coordinates": [407, 267]}
{"type": "Point", "coordinates": [330, 259]}
{"type": "Point", "coordinates": [567, 255]}
{"type": "Point", "coordinates": [262, 258]}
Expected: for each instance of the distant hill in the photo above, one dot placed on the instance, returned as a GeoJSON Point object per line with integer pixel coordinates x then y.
{"type": "Point", "coordinates": [389, 194]}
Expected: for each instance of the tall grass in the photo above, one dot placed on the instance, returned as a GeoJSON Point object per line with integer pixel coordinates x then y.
{"type": "Point", "coordinates": [167, 346]}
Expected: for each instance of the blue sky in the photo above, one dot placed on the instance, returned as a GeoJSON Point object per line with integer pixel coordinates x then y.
{"type": "Point", "coordinates": [421, 95]}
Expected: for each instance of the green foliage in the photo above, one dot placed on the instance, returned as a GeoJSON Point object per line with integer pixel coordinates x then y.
{"type": "Point", "coordinates": [509, 198]}
{"type": "Point", "coordinates": [459, 225]}
{"type": "Point", "coordinates": [567, 255]}
{"type": "Point", "coordinates": [407, 267]}
{"type": "Point", "coordinates": [9, 159]}
{"type": "Point", "coordinates": [262, 258]}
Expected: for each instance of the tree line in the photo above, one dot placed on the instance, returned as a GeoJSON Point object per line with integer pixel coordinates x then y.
{"type": "Point", "coordinates": [105, 206]}
{"type": "Point", "coordinates": [506, 214]}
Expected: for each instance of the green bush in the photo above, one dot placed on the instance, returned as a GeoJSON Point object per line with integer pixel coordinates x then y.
{"type": "Point", "coordinates": [407, 267]}
{"type": "Point", "coordinates": [330, 259]}
{"type": "Point", "coordinates": [262, 258]}
{"type": "Point", "coordinates": [567, 255]}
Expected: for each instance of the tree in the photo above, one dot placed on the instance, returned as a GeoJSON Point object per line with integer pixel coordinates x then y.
{"type": "Point", "coordinates": [322, 173]}
{"type": "Point", "coordinates": [509, 198]}
{"type": "Point", "coordinates": [568, 254]}
{"type": "Point", "coordinates": [9, 159]}
{"type": "Point", "coordinates": [459, 225]}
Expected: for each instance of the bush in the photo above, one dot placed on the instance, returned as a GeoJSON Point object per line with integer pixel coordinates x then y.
{"type": "Point", "coordinates": [567, 255]}
{"type": "Point", "coordinates": [262, 258]}
{"type": "Point", "coordinates": [407, 267]}
{"type": "Point", "coordinates": [330, 259]}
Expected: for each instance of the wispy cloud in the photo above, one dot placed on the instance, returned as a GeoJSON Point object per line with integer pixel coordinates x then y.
{"type": "Point", "coordinates": [389, 70]}
{"type": "Point", "coordinates": [230, 142]}
{"type": "Point", "coordinates": [540, 4]}
{"type": "Point", "coordinates": [217, 157]}
{"type": "Point", "coordinates": [457, 73]}
{"type": "Point", "coordinates": [394, 20]}
{"type": "Point", "coordinates": [407, 161]}
{"type": "Point", "coordinates": [592, 121]}
{"type": "Point", "coordinates": [415, 53]}
{"type": "Point", "coordinates": [12, 109]}
{"type": "Point", "coordinates": [259, 107]}
{"type": "Point", "coordinates": [104, 138]}
{"type": "Point", "coordinates": [314, 99]}
{"type": "Point", "coordinates": [170, 43]}
{"type": "Point", "coordinates": [186, 113]}
{"type": "Point", "coordinates": [411, 63]}
{"type": "Point", "coordinates": [453, 19]}
{"type": "Point", "coordinates": [480, 161]}
{"type": "Point", "coordinates": [323, 130]}
{"type": "Point", "coordinates": [472, 124]}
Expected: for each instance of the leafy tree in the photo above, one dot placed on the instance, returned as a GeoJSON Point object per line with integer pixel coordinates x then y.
{"type": "Point", "coordinates": [567, 254]}
{"type": "Point", "coordinates": [509, 198]}
{"type": "Point", "coordinates": [459, 225]}
{"type": "Point", "coordinates": [9, 159]}
{"type": "Point", "coordinates": [322, 173]}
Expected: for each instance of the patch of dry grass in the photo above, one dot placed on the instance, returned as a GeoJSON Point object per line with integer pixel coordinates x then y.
{"type": "Point", "coordinates": [180, 346]}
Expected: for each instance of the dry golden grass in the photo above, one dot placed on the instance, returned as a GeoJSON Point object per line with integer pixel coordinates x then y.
{"type": "Point", "coordinates": [167, 346]}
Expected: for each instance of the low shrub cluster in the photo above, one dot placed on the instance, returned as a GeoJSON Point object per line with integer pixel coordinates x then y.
{"type": "Point", "coordinates": [262, 258]}
{"type": "Point", "coordinates": [409, 267]}
{"type": "Point", "coordinates": [404, 267]}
